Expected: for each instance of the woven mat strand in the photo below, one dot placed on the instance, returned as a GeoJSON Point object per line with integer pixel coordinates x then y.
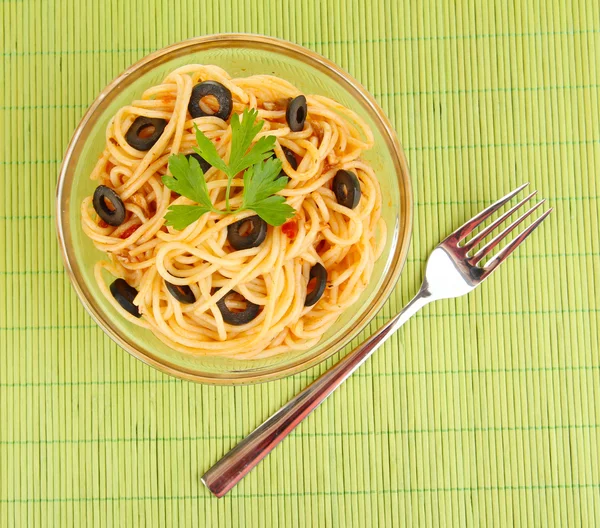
{"type": "Point", "coordinates": [482, 410]}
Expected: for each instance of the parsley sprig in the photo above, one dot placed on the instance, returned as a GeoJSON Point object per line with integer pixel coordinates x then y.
{"type": "Point", "coordinates": [262, 178]}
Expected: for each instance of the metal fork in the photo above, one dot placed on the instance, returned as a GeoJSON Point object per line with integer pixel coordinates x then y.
{"type": "Point", "coordinates": [454, 268]}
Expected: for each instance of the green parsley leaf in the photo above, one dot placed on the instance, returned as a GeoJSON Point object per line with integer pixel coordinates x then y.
{"type": "Point", "coordinates": [208, 151]}
{"type": "Point", "coordinates": [261, 182]}
{"type": "Point", "coordinates": [188, 179]}
{"type": "Point", "coordinates": [273, 210]}
{"type": "Point", "coordinates": [242, 134]}
{"type": "Point", "coordinates": [181, 216]}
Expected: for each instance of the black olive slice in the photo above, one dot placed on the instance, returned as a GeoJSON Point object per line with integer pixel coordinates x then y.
{"type": "Point", "coordinates": [253, 238]}
{"type": "Point", "coordinates": [183, 294]}
{"type": "Point", "coordinates": [144, 132]}
{"type": "Point", "coordinates": [114, 214]}
{"type": "Point", "coordinates": [221, 94]}
{"type": "Point", "coordinates": [346, 188]}
{"type": "Point", "coordinates": [319, 273]}
{"type": "Point", "coordinates": [124, 294]}
{"type": "Point", "coordinates": [204, 165]}
{"type": "Point", "coordinates": [291, 159]}
{"type": "Point", "coordinates": [295, 115]}
{"type": "Point", "coordinates": [237, 318]}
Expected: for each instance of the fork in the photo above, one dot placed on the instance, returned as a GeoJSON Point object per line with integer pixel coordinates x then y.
{"type": "Point", "coordinates": [454, 268]}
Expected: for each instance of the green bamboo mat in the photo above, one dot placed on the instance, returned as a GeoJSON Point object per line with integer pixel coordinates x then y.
{"type": "Point", "coordinates": [482, 411]}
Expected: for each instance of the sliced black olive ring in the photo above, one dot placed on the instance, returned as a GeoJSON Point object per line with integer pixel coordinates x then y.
{"type": "Point", "coordinates": [290, 157]}
{"type": "Point", "coordinates": [237, 318]}
{"type": "Point", "coordinates": [319, 273]}
{"type": "Point", "coordinates": [144, 132]}
{"type": "Point", "coordinates": [124, 294]}
{"type": "Point", "coordinates": [204, 165]}
{"type": "Point", "coordinates": [219, 92]}
{"type": "Point", "coordinates": [253, 238]}
{"type": "Point", "coordinates": [346, 188]}
{"type": "Point", "coordinates": [114, 214]}
{"type": "Point", "coordinates": [295, 115]}
{"type": "Point", "coordinates": [182, 293]}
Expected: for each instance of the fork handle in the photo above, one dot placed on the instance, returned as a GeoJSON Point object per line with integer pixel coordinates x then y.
{"type": "Point", "coordinates": [234, 466]}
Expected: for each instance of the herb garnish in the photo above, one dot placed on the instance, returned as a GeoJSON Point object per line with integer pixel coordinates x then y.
{"type": "Point", "coordinates": [262, 178]}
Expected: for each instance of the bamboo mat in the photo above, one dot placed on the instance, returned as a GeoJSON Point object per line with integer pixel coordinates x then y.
{"type": "Point", "coordinates": [482, 411]}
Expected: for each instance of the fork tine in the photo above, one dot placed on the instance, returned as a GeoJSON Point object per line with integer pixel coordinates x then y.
{"type": "Point", "coordinates": [487, 249]}
{"type": "Point", "coordinates": [485, 232]}
{"type": "Point", "coordinates": [462, 232]}
{"type": "Point", "coordinates": [514, 244]}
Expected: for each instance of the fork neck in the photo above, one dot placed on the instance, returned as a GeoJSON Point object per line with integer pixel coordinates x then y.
{"type": "Point", "coordinates": [422, 298]}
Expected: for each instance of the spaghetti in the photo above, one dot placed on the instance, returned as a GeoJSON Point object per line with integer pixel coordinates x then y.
{"type": "Point", "coordinates": [156, 259]}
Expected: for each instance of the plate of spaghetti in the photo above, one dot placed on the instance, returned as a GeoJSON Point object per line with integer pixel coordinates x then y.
{"type": "Point", "coordinates": [233, 209]}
